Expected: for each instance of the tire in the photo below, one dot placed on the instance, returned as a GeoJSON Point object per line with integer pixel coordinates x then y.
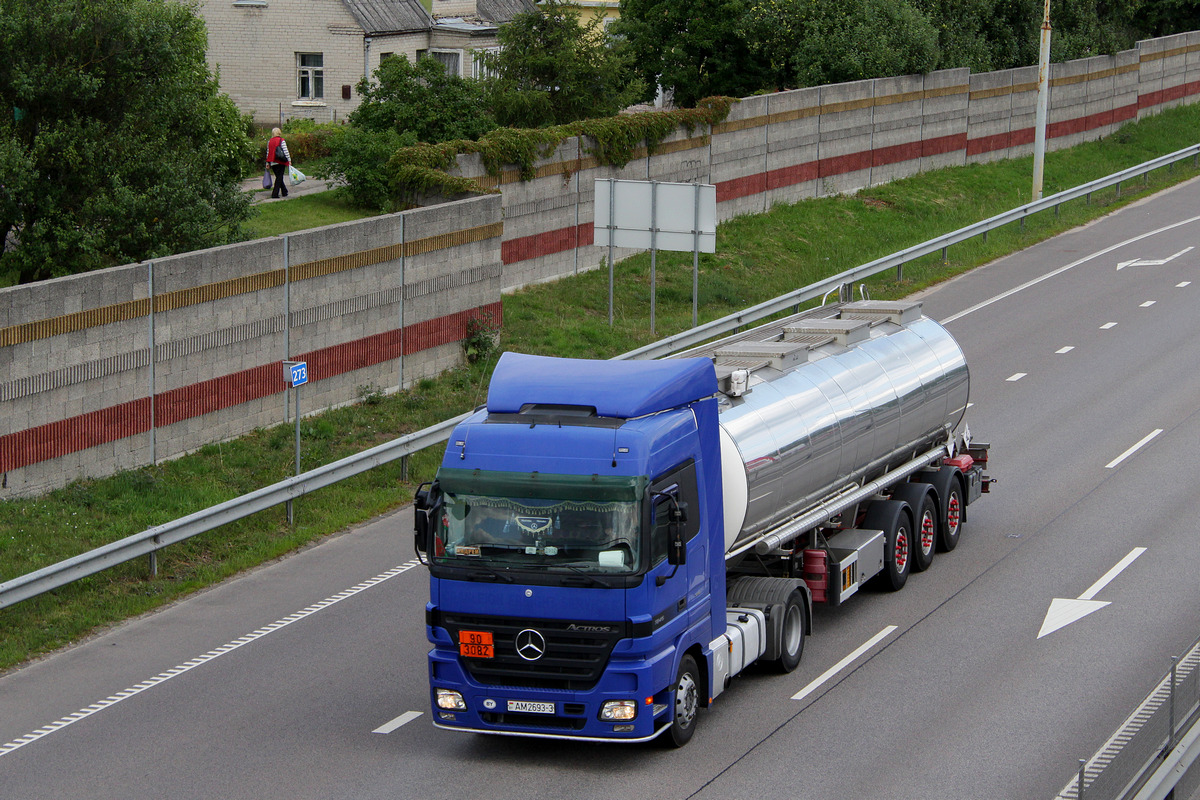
{"type": "Point", "coordinates": [926, 522]}
{"type": "Point", "coordinates": [952, 510]}
{"type": "Point", "coordinates": [686, 703]}
{"type": "Point", "coordinates": [786, 595]}
{"type": "Point", "coordinates": [891, 517]}
{"type": "Point", "coordinates": [795, 628]}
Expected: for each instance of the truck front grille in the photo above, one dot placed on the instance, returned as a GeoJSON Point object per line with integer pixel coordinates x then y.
{"type": "Point", "coordinates": [570, 660]}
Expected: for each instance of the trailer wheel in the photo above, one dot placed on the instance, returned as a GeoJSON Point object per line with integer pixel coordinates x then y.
{"type": "Point", "coordinates": [891, 517]}
{"type": "Point", "coordinates": [791, 645]}
{"type": "Point", "coordinates": [952, 511]}
{"type": "Point", "coordinates": [687, 702]}
{"type": "Point", "coordinates": [925, 522]}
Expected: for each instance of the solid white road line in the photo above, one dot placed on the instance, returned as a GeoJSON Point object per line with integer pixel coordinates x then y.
{"type": "Point", "coordinates": [1063, 269]}
{"type": "Point", "coordinates": [838, 667]}
{"type": "Point", "coordinates": [188, 666]}
{"type": "Point", "coordinates": [1145, 440]}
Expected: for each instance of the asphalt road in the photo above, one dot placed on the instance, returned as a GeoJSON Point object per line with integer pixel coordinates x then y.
{"type": "Point", "coordinates": [307, 678]}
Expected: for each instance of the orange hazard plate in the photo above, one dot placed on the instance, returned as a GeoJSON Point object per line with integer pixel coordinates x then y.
{"type": "Point", "coordinates": [476, 644]}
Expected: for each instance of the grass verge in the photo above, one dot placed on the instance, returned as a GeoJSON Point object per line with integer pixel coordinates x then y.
{"type": "Point", "coordinates": [758, 257]}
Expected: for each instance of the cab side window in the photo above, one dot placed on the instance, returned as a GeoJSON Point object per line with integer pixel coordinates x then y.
{"type": "Point", "coordinates": [680, 484]}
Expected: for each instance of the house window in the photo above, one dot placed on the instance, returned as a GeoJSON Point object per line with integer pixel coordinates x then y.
{"type": "Point", "coordinates": [310, 76]}
{"type": "Point", "coordinates": [451, 60]}
{"type": "Point", "coordinates": [481, 71]}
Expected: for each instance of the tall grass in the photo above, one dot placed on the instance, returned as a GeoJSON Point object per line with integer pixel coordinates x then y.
{"type": "Point", "coordinates": [758, 257]}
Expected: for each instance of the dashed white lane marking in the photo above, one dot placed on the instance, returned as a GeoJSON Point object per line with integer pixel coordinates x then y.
{"type": "Point", "coordinates": [1145, 441]}
{"type": "Point", "coordinates": [187, 666]}
{"type": "Point", "coordinates": [403, 719]}
{"type": "Point", "coordinates": [1108, 325]}
{"type": "Point", "coordinates": [1182, 284]}
{"type": "Point", "coordinates": [1063, 269]}
{"type": "Point", "coordinates": [838, 667]}
{"type": "Point", "coordinates": [1147, 304]}
{"type": "Point", "coordinates": [1066, 349]}
{"type": "Point", "coordinates": [1016, 377]}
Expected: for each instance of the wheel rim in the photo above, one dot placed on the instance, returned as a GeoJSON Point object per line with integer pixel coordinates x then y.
{"type": "Point", "coordinates": [953, 515]}
{"type": "Point", "coordinates": [928, 532]}
{"type": "Point", "coordinates": [793, 630]}
{"type": "Point", "coordinates": [900, 551]}
{"type": "Point", "coordinates": [687, 700]}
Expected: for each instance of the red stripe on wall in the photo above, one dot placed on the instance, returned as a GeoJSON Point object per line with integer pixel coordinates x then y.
{"type": "Point", "coordinates": [1155, 98]}
{"type": "Point", "coordinates": [57, 439]}
{"type": "Point", "coordinates": [546, 243]}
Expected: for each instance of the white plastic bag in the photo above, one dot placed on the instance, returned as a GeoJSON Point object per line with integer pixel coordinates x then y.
{"type": "Point", "coordinates": [296, 175]}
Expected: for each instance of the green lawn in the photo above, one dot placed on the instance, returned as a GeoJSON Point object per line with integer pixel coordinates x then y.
{"type": "Point", "coordinates": [758, 257]}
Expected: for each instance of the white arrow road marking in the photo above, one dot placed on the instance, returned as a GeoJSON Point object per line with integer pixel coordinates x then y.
{"type": "Point", "coordinates": [1062, 269]}
{"type": "Point", "coordinates": [1063, 612]}
{"type": "Point", "coordinates": [1147, 262]}
{"type": "Point", "coordinates": [839, 666]}
{"type": "Point", "coordinates": [403, 719]}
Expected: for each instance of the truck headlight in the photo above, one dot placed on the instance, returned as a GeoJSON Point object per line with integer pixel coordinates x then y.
{"type": "Point", "coordinates": [449, 700]}
{"type": "Point", "coordinates": [618, 710]}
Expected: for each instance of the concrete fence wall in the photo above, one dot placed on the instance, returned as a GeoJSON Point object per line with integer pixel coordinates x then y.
{"type": "Point", "coordinates": [126, 366]}
{"type": "Point", "coordinates": [826, 140]}
{"type": "Point", "coordinates": [134, 364]}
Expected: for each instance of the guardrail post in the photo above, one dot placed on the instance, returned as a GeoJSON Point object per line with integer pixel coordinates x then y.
{"type": "Point", "coordinates": [404, 468]}
{"type": "Point", "coordinates": [153, 563]}
{"type": "Point", "coordinates": [944, 259]}
{"type": "Point", "coordinates": [900, 272]}
{"type": "Point", "coordinates": [1118, 189]}
{"type": "Point", "coordinates": [1082, 767]}
{"type": "Point", "coordinates": [1171, 721]}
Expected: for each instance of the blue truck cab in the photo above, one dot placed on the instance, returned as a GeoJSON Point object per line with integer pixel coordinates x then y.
{"type": "Point", "coordinates": [573, 537]}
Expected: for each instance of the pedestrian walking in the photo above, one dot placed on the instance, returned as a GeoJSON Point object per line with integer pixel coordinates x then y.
{"type": "Point", "coordinates": [278, 159]}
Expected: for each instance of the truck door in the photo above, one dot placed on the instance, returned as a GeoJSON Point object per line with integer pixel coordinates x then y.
{"type": "Point", "coordinates": [683, 591]}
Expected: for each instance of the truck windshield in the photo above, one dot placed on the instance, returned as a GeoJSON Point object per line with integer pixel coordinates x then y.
{"type": "Point", "coordinates": [537, 521]}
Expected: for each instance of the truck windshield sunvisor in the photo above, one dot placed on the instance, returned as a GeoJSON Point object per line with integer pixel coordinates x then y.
{"type": "Point", "coordinates": [578, 524]}
{"type": "Point", "coordinates": [542, 485]}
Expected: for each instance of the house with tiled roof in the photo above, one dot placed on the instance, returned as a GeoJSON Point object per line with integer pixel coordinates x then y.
{"type": "Point", "coordinates": [284, 59]}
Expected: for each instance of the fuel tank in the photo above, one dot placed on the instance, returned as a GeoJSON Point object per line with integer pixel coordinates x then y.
{"type": "Point", "coordinates": [826, 399]}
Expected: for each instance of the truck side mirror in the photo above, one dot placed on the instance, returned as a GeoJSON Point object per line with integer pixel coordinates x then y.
{"type": "Point", "coordinates": [423, 504]}
{"type": "Point", "coordinates": [676, 547]}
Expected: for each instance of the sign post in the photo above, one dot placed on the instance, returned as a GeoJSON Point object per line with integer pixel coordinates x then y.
{"type": "Point", "coordinates": [296, 374]}
{"type": "Point", "coordinates": [681, 216]}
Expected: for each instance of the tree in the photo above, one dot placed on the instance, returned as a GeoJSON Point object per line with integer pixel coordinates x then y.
{"type": "Point", "coordinates": [551, 69]}
{"type": "Point", "coordinates": [422, 99]}
{"type": "Point", "coordinates": [695, 48]}
{"type": "Point", "coordinates": [115, 145]}
{"type": "Point", "coordinates": [814, 42]}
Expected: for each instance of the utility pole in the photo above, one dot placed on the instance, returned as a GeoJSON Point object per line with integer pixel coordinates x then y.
{"type": "Point", "coordinates": [1043, 102]}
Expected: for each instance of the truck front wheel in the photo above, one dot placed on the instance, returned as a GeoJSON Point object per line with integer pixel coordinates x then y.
{"type": "Point", "coordinates": [687, 702]}
{"type": "Point", "coordinates": [791, 644]}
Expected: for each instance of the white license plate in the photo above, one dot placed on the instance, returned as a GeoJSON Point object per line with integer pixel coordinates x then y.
{"type": "Point", "coordinates": [530, 707]}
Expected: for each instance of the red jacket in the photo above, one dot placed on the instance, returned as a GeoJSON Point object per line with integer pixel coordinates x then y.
{"type": "Point", "coordinates": [271, 145]}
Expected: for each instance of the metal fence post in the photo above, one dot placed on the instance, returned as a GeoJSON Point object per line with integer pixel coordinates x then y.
{"type": "Point", "coordinates": [1171, 721]}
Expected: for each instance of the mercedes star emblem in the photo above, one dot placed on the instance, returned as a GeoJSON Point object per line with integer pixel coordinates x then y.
{"type": "Point", "coordinates": [530, 645]}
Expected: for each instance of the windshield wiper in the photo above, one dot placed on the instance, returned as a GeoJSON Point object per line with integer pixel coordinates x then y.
{"type": "Point", "coordinates": [480, 571]}
{"type": "Point", "coordinates": [588, 575]}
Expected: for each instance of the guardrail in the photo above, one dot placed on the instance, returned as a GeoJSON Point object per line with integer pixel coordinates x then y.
{"type": "Point", "coordinates": [149, 541]}
{"type": "Point", "coordinates": [1153, 751]}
